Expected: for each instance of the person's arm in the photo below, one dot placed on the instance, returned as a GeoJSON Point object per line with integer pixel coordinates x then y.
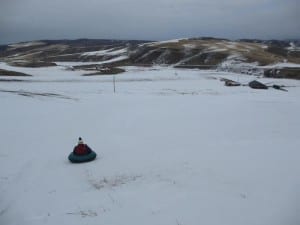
{"type": "Point", "coordinates": [89, 150]}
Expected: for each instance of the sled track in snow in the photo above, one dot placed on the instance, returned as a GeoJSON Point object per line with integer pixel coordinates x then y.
{"type": "Point", "coordinates": [40, 94]}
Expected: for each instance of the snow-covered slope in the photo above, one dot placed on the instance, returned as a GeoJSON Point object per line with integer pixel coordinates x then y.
{"type": "Point", "coordinates": [174, 146]}
{"type": "Point", "coordinates": [110, 52]}
{"type": "Point", "coordinates": [185, 52]}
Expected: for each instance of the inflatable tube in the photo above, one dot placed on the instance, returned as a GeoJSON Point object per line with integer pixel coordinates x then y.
{"type": "Point", "coordinates": [82, 158]}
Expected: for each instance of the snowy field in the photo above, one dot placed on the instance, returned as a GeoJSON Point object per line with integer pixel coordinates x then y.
{"type": "Point", "coordinates": [175, 147]}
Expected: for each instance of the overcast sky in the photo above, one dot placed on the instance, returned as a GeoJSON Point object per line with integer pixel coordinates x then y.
{"type": "Point", "coordinates": [22, 20]}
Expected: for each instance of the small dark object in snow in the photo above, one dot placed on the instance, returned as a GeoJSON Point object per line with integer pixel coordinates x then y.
{"type": "Point", "coordinates": [257, 85]}
{"type": "Point", "coordinates": [82, 158]}
{"type": "Point", "coordinates": [278, 87]}
{"type": "Point", "coordinates": [82, 153]}
{"type": "Point", "coordinates": [275, 86]}
{"type": "Point", "coordinates": [229, 82]}
{"type": "Point", "coordinates": [232, 83]}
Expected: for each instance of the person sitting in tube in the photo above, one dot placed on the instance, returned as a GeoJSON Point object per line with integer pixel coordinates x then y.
{"type": "Point", "coordinates": [81, 148]}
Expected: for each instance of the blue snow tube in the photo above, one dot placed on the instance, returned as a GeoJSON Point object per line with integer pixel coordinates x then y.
{"type": "Point", "coordinates": [82, 158]}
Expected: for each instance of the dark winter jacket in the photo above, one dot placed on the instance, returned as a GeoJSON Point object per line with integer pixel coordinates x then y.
{"type": "Point", "coordinates": [82, 149]}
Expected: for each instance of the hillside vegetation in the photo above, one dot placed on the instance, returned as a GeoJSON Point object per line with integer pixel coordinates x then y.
{"type": "Point", "coordinates": [205, 53]}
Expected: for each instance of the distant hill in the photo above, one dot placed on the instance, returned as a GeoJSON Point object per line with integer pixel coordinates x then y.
{"type": "Point", "coordinates": [204, 52]}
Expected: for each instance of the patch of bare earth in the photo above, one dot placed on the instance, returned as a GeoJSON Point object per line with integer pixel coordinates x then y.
{"type": "Point", "coordinates": [13, 73]}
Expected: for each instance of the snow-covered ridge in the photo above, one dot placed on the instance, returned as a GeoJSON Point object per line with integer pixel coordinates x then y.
{"type": "Point", "coordinates": [108, 52]}
{"type": "Point", "coordinates": [26, 44]}
{"type": "Point", "coordinates": [184, 52]}
{"type": "Point", "coordinates": [115, 59]}
{"type": "Point", "coordinates": [237, 63]}
{"type": "Point", "coordinates": [293, 47]}
{"type": "Point", "coordinates": [156, 43]}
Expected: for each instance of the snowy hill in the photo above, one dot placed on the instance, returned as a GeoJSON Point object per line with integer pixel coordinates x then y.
{"type": "Point", "coordinates": [175, 146]}
{"type": "Point", "coordinates": [241, 56]}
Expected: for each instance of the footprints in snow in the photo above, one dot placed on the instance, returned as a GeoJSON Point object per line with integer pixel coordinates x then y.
{"type": "Point", "coordinates": [82, 213]}
{"type": "Point", "coordinates": [112, 182]}
{"type": "Point", "coordinates": [186, 92]}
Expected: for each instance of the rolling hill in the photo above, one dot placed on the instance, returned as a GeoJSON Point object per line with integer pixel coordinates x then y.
{"type": "Point", "coordinates": [242, 56]}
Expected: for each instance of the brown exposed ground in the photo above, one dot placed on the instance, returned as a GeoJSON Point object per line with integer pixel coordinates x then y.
{"type": "Point", "coordinates": [108, 71]}
{"type": "Point", "coordinates": [32, 64]}
{"type": "Point", "coordinates": [202, 53]}
{"type": "Point", "coordinates": [12, 73]}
